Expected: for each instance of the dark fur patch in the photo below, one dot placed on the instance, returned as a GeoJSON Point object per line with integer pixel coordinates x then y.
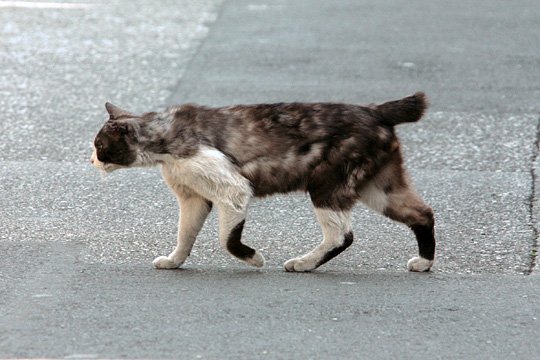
{"type": "Point", "coordinates": [234, 243]}
{"type": "Point", "coordinates": [426, 240]}
{"type": "Point", "coordinates": [304, 149]}
{"type": "Point", "coordinates": [347, 241]}
{"type": "Point", "coordinates": [327, 187]}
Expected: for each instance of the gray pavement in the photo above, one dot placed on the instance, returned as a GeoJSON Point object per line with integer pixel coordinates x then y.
{"type": "Point", "coordinates": [76, 279]}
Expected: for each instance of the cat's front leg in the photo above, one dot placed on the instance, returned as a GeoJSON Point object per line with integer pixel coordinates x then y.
{"type": "Point", "coordinates": [193, 212]}
{"type": "Point", "coordinates": [231, 224]}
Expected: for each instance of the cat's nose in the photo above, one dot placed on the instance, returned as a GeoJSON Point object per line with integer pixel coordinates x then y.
{"type": "Point", "coordinates": [92, 161]}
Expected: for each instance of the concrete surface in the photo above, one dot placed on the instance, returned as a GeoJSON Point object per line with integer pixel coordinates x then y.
{"type": "Point", "coordinates": [76, 278]}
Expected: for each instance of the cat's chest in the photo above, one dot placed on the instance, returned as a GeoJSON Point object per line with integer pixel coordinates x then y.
{"type": "Point", "coordinates": [183, 172]}
{"type": "Point", "coordinates": [204, 172]}
{"type": "Point", "coordinates": [173, 173]}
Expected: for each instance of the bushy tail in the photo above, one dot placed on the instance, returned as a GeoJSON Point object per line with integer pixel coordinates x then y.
{"type": "Point", "coordinates": [409, 109]}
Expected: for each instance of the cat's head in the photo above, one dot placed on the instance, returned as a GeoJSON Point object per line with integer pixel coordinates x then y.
{"type": "Point", "coordinates": [116, 144]}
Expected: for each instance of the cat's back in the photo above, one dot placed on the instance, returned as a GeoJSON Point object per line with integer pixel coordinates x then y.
{"type": "Point", "coordinates": [274, 130]}
{"type": "Point", "coordinates": [300, 119]}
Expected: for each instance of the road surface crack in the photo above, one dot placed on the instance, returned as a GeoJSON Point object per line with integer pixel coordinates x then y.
{"type": "Point", "coordinates": [533, 255]}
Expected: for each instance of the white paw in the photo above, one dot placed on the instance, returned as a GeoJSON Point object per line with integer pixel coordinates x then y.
{"type": "Point", "coordinates": [163, 262]}
{"type": "Point", "coordinates": [419, 264]}
{"type": "Point", "coordinates": [299, 265]}
{"type": "Point", "coordinates": [257, 260]}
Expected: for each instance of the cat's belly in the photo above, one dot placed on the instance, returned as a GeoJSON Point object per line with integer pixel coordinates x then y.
{"type": "Point", "coordinates": [268, 177]}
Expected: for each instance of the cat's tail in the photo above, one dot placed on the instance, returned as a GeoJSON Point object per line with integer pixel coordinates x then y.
{"type": "Point", "coordinates": [409, 109]}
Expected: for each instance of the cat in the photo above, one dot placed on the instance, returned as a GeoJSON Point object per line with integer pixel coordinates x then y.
{"type": "Point", "coordinates": [338, 153]}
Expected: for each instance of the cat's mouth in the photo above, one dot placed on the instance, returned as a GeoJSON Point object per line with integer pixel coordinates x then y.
{"type": "Point", "coordinates": [105, 167]}
{"type": "Point", "coordinates": [101, 166]}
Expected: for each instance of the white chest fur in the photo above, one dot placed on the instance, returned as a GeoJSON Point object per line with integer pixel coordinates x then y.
{"type": "Point", "coordinates": [210, 174]}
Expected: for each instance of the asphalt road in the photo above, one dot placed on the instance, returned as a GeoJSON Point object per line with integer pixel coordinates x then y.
{"type": "Point", "coordinates": [76, 279]}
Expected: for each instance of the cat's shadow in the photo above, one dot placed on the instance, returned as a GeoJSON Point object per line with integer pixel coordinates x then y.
{"type": "Point", "coordinates": [243, 274]}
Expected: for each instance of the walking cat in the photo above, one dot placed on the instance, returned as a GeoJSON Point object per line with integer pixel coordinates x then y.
{"type": "Point", "coordinates": [338, 153]}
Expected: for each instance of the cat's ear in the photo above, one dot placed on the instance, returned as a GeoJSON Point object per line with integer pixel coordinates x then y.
{"type": "Point", "coordinates": [115, 112]}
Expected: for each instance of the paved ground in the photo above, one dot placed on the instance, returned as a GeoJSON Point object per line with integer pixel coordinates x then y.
{"type": "Point", "coordinates": [75, 275]}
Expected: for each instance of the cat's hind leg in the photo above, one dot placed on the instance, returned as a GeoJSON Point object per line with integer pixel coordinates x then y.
{"type": "Point", "coordinates": [396, 199]}
{"type": "Point", "coordinates": [337, 236]}
{"type": "Point", "coordinates": [194, 210]}
{"type": "Point", "coordinates": [231, 224]}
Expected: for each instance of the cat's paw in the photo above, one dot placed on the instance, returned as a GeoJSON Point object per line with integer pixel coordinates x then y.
{"type": "Point", "coordinates": [419, 264]}
{"type": "Point", "coordinates": [256, 260]}
{"type": "Point", "coordinates": [163, 262]}
{"type": "Point", "coordinates": [299, 265]}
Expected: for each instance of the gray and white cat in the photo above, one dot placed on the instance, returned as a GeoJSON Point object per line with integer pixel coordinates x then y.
{"type": "Point", "coordinates": [223, 157]}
